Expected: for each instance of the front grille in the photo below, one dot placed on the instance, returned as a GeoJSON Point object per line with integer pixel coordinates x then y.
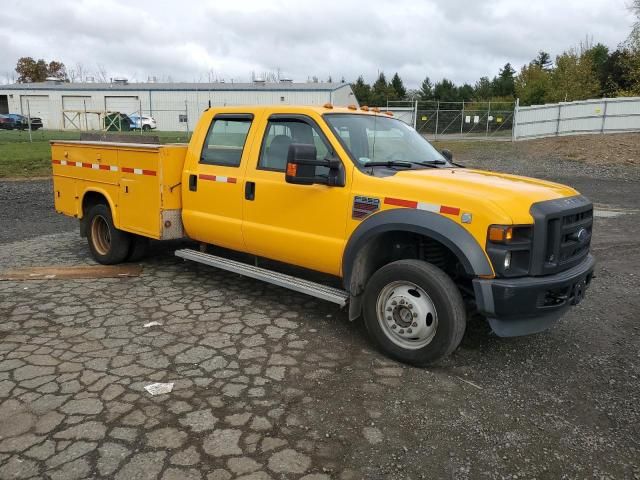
{"type": "Point", "coordinates": [562, 234]}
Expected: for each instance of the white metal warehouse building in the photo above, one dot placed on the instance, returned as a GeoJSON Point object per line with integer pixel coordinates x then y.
{"type": "Point", "coordinates": [175, 106]}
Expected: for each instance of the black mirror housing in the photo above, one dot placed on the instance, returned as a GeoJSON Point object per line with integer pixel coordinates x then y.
{"type": "Point", "coordinates": [302, 162]}
{"type": "Point", "coordinates": [447, 154]}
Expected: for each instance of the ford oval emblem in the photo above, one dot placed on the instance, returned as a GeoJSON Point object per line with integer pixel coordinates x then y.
{"type": "Point", "coordinates": [582, 235]}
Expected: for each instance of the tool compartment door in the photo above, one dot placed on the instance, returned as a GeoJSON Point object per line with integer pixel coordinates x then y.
{"type": "Point", "coordinates": [139, 198]}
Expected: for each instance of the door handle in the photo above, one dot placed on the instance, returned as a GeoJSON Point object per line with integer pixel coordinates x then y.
{"type": "Point", "coordinates": [193, 183]}
{"type": "Point", "coordinates": [250, 190]}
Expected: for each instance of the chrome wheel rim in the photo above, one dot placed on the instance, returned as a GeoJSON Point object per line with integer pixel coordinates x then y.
{"type": "Point", "coordinates": [100, 235]}
{"type": "Point", "coordinates": [407, 315]}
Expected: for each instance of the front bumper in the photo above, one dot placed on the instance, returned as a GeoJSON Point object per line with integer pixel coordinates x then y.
{"type": "Point", "coordinates": [522, 306]}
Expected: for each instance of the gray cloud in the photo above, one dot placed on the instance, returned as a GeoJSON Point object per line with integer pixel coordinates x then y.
{"type": "Point", "coordinates": [458, 39]}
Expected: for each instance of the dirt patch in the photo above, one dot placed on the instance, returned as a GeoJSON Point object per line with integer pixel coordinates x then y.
{"type": "Point", "coordinates": [623, 148]}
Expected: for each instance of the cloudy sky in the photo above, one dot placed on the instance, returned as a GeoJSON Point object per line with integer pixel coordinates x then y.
{"type": "Point", "coordinates": [194, 40]}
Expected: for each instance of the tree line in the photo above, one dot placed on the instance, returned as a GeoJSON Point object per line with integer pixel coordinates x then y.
{"type": "Point", "coordinates": [588, 71]}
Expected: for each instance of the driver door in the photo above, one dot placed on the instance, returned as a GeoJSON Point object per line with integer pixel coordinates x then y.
{"type": "Point", "coordinates": [302, 225]}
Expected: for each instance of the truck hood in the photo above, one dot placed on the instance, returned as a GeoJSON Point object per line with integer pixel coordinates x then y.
{"type": "Point", "coordinates": [511, 194]}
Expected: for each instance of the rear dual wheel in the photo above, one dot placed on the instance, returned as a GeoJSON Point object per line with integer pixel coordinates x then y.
{"type": "Point", "coordinates": [108, 245]}
{"type": "Point", "coordinates": [414, 312]}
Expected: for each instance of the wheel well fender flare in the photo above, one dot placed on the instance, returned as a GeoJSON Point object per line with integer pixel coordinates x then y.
{"type": "Point", "coordinates": [430, 224]}
{"type": "Point", "coordinates": [103, 193]}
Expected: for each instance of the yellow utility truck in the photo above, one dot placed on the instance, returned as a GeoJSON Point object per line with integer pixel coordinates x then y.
{"type": "Point", "coordinates": [411, 240]}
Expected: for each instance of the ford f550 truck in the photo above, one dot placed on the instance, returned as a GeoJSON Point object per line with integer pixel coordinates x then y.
{"type": "Point", "coordinates": [413, 239]}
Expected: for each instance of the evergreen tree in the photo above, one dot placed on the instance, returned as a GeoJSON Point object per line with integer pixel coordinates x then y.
{"type": "Point", "coordinates": [543, 60]}
{"type": "Point", "coordinates": [445, 91]}
{"type": "Point", "coordinates": [503, 85]}
{"type": "Point", "coordinates": [599, 54]}
{"type": "Point", "coordinates": [465, 92]}
{"type": "Point", "coordinates": [381, 91]}
{"type": "Point", "coordinates": [426, 90]}
{"type": "Point", "coordinates": [398, 86]}
{"type": "Point", "coordinates": [483, 89]}
{"type": "Point", "coordinates": [362, 91]}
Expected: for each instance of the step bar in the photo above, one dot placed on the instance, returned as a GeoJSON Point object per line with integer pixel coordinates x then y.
{"type": "Point", "coordinates": [330, 294]}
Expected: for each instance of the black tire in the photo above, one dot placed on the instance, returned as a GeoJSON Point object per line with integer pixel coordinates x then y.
{"type": "Point", "coordinates": [138, 248]}
{"type": "Point", "coordinates": [444, 297]}
{"type": "Point", "coordinates": [146, 128]}
{"type": "Point", "coordinates": [108, 245]}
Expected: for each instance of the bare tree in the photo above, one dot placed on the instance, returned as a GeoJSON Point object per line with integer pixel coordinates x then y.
{"type": "Point", "coordinates": [101, 74]}
{"type": "Point", "coordinates": [633, 40]}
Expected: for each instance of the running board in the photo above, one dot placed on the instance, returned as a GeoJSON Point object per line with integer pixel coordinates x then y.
{"type": "Point", "coordinates": [317, 290]}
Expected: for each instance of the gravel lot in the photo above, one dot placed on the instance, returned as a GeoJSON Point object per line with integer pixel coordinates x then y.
{"type": "Point", "coordinates": [272, 384]}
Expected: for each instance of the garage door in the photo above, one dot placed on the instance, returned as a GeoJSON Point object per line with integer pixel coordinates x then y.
{"type": "Point", "coordinates": [75, 120]}
{"type": "Point", "coordinates": [38, 106]}
{"type": "Point", "coordinates": [127, 105]}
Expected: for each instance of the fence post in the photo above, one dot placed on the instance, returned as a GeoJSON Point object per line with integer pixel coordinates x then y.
{"type": "Point", "coordinates": [462, 118]}
{"type": "Point", "coordinates": [140, 114]}
{"type": "Point", "coordinates": [604, 116]}
{"type": "Point", "coordinates": [486, 133]}
{"type": "Point", "coordinates": [514, 124]}
{"type": "Point", "coordinates": [86, 120]}
{"type": "Point", "coordinates": [415, 115]}
{"type": "Point", "coordinates": [186, 117]}
{"type": "Point", "coordinates": [437, 118]}
{"type": "Point", "coordinates": [29, 120]}
{"type": "Point", "coordinates": [558, 120]}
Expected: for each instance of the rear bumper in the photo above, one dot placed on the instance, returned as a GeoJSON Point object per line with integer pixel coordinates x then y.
{"type": "Point", "coordinates": [522, 306]}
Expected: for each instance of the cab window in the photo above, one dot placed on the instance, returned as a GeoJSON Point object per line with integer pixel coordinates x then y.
{"type": "Point", "coordinates": [280, 134]}
{"type": "Point", "coordinates": [225, 141]}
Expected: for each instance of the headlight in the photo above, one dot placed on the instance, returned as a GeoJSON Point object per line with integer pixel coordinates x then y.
{"type": "Point", "coordinates": [509, 248]}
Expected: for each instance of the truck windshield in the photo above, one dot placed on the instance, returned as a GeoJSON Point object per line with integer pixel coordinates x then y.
{"type": "Point", "coordinates": [380, 139]}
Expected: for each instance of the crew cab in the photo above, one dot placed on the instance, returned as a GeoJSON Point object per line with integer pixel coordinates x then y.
{"type": "Point", "coordinates": [413, 240]}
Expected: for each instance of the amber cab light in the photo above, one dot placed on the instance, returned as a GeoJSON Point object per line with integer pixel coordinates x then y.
{"type": "Point", "coordinates": [500, 233]}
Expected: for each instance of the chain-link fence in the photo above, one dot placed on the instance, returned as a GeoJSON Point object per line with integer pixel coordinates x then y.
{"type": "Point", "coordinates": [456, 119]}
{"type": "Point", "coordinates": [136, 122]}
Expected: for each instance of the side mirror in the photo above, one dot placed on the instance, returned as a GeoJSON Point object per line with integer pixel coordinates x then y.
{"type": "Point", "coordinates": [301, 167]}
{"type": "Point", "coordinates": [447, 154]}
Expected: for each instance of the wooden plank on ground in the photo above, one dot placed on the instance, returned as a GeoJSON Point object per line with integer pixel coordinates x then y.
{"type": "Point", "coordinates": [71, 272]}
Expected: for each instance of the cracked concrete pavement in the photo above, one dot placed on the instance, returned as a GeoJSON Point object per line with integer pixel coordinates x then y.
{"type": "Point", "coordinates": [270, 384]}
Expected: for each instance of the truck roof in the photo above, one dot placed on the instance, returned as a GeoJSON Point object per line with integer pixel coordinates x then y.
{"type": "Point", "coordinates": [276, 108]}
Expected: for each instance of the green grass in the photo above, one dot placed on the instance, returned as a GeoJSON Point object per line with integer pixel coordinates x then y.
{"type": "Point", "coordinates": [20, 158]}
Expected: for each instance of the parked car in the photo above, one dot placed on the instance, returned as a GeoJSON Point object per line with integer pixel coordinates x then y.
{"type": "Point", "coordinates": [148, 123]}
{"type": "Point", "coordinates": [20, 122]}
{"type": "Point", "coordinates": [7, 123]}
{"type": "Point", "coordinates": [118, 122]}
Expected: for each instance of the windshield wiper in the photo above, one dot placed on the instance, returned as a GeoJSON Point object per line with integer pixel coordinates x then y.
{"type": "Point", "coordinates": [406, 163]}
{"type": "Point", "coordinates": [432, 163]}
{"type": "Point", "coordinates": [389, 163]}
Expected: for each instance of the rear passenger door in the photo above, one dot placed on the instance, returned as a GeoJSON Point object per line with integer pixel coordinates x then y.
{"type": "Point", "coordinates": [213, 196]}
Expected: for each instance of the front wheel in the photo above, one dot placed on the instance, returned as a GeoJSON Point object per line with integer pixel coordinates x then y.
{"type": "Point", "coordinates": [414, 312]}
{"type": "Point", "coordinates": [108, 245]}
{"type": "Point", "coordinates": [146, 128]}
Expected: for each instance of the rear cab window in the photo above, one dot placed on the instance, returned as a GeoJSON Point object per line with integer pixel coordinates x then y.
{"type": "Point", "coordinates": [226, 139]}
